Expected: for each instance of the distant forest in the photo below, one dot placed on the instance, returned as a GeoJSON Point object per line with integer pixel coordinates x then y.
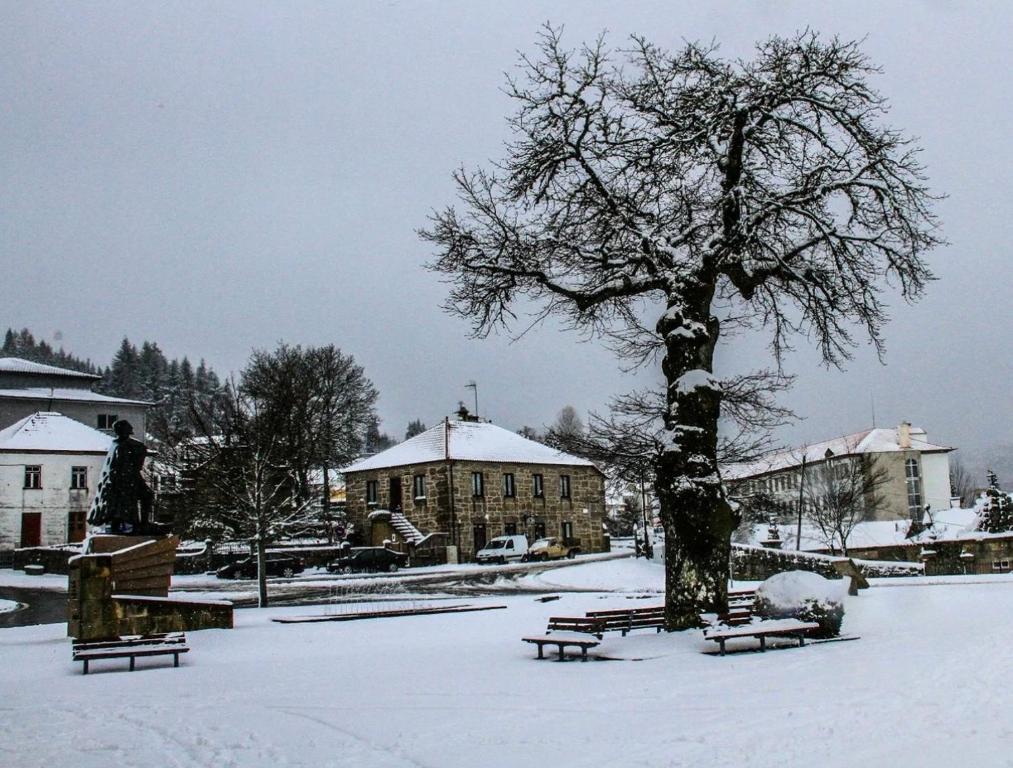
{"type": "Point", "coordinates": [182, 395]}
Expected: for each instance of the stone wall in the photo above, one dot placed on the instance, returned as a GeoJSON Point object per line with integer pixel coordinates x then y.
{"type": "Point", "coordinates": [758, 564]}
{"type": "Point", "coordinates": [983, 555]}
{"type": "Point", "coordinates": [450, 506]}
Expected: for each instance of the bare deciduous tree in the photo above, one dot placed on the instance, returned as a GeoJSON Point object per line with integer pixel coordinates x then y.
{"type": "Point", "coordinates": [840, 493]}
{"type": "Point", "coordinates": [245, 484]}
{"type": "Point", "coordinates": [769, 192]}
{"type": "Point", "coordinates": [961, 482]}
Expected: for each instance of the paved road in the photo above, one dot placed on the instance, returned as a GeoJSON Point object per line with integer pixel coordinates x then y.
{"type": "Point", "coordinates": [48, 606]}
{"type": "Point", "coordinates": [42, 607]}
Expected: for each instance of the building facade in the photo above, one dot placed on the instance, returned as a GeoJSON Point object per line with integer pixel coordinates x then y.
{"type": "Point", "coordinates": [472, 482]}
{"type": "Point", "coordinates": [911, 472]}
{"type": "Point", "coordinates": [49, 468]}
{"type": "Point", "coordinates": [27, 387]}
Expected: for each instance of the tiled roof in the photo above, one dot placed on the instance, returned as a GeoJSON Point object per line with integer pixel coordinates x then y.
{"type": "Point", "coordinates": [876, 440]}
{"type": "Point", "coordinates": [63, 393]}
{"type": "Point", "coordinates": [18, 365]}
{"type": "Point", "coordinates": [468, 441]}
{"type": "Point", "coordinates": [46, 431]}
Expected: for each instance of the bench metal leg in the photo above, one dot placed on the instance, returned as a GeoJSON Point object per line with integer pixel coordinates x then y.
{"type": "Point", "coordinates": [721, 642]}
{"type": "Point", "coordinates": [583, 653]}
{"type": "Point", "coordinates": [561, 653]}
{"type": "Point", "coordinates": [132, 660]}
{"type": "Point", "coordinates": [763, 643]}
{"type": "Point", "coordinates": [86, 666]}
{"type": "Point", "coordinates": [540, 647]}
{"type": "Point", "coordinates": [175, 659]}
{"type": "Point", "coordinates": [801, 640]}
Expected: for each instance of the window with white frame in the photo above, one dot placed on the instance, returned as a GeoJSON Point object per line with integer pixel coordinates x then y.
{"type": "Point", "coordinates": [509, 491]}
{"type": "Point", "coordinates": [477, 484]}
{"type": "Point", "coordinates": [33, 477]}
{"type": "Point", "coordinates": [371, 492]}
{"type": "Point", "coordinates": [106, 420]}
{"type": "Point", "coordinates": [564, 486]}
{"type": "Point", "coordinates": [419, 487]}
{"type": "Point", "coordinates": [914, 488]}
{"type": "Point", "coordinates": [78, 478]}
{"type": "Point", "coordinates": [537, 487]}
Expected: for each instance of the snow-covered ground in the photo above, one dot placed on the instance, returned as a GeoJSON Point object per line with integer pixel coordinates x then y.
{"type": "Point", "coordinates": [6, 606]}
{"type": "Point", "coordinates": [924, 686]}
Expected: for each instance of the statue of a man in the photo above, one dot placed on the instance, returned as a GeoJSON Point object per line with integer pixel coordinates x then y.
{"type": "Point", "coordinates": [121, 487]}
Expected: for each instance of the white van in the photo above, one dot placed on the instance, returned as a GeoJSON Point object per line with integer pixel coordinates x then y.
{"type": "Point", "coordinates": [503, 549]}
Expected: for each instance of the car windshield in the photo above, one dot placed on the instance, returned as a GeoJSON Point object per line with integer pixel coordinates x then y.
{"type": "Point", "coordinates": [496, 544]}
{"type": "Point", "coordinates": [542, 543]}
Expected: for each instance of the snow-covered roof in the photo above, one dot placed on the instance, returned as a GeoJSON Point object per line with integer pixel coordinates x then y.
{"type": "Point", "coordinates": [46, 431]}
{"type": "Point", "coordinates": [64, 393]}
{"type": "Point", "coordinates": [947, 524]}
{"type": "Point", "coordinates": [467, 441]}
{"type": "Point", "coordinates": [876, 440]}
{"type": "Point", "coordinates": [18, 365]}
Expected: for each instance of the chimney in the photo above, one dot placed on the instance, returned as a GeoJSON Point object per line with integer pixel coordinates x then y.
{"type": "Point", "coordinates": [904, 435]}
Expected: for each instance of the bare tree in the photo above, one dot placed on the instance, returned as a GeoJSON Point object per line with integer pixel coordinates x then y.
{"type": "Point", "coordinates": [319, 404]}
{"type": "Point", "coordinates": [841, 492]}
{"type": "Point", "coordinates": [767, 191]}
{"type": "Point", "coordinates": [961, 482]}
{"type": "Point", "coordinates": [242, 483]}
{"type": "Point", "coordinates": [567, 423]}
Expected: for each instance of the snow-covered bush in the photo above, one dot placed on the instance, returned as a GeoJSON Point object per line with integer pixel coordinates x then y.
{"type": "Point", "coordinates": [994, 508]}
{"type": "Point", "coordinates": [804, 596]}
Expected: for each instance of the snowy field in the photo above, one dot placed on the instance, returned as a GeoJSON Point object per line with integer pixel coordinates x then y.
{"type": "Point", "coordinates": [924, 686]}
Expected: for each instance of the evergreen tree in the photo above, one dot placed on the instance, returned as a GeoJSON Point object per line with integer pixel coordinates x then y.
{"type": "Point", "coordinates": [995, 514]}
{"type": "Point", "coordinates": [22, 344]}
{"type": "Point", "coordinates": [415, 427]}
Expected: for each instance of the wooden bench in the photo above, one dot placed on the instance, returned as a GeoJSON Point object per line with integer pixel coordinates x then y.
{"type": "Point", "coordinates": [564, 632]}
{"type": "Point", "coordinates": [172, 643]}
{"type": "Point", "coordinates": [762, 630]}
{"type": "Point", "coordinates": [627, 619]}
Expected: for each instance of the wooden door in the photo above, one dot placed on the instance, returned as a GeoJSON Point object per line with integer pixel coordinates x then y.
{"type": "Point", "coordinates": [478, 535]}
{"type": "Point", "coordinates": [76, 526]}
{"type": "Point", "coordinates": [31, 529]}
{"type": "Point", "coordinates": [395, 494]}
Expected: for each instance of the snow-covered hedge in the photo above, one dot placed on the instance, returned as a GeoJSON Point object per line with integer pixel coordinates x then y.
{"type": "Point", "coordinates": [804, 596]}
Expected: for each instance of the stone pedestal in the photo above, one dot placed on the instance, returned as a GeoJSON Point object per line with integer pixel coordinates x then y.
{"type": "Point", "coordinates": [120, 586]}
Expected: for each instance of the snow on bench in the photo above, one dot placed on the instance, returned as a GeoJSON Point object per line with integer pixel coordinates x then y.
{"type": "Point", "coordinates": [564, 632]}
{"type": "Point", "coordinates": [762, 630]}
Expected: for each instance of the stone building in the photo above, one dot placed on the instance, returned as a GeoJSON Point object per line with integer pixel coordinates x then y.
{"type": "Point", "coordinates": [49, 467]}
{"type": "Point", "coordinates": [915, 472]}
{"type": "Point", "coordinates": [473, 481]}
{"type": "Point", "coordinates": [27, 387]}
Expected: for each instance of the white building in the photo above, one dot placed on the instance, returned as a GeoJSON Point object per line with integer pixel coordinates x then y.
{"type": "Point", "coordinates": [916, 471]}
{"type": "Point", "coordinates": [49, 467]}
{"type": "Point", "coordinates": [27, 387]}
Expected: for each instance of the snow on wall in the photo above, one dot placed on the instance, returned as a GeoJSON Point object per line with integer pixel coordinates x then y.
{"type": "Point", "coordinates": [936, 480]}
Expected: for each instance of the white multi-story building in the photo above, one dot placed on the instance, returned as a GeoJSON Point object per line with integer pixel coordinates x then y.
{"type": "Point", "coordinates": [49, 467]}
{"type": "Point", "coordinates": [913, 472]}
{"type": "Point", "coordinates": [27, 387]}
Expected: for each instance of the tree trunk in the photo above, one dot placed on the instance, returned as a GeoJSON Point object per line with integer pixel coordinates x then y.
{"type": "Point", "coordinates": [261, 562]}
{"type": "Point", "coordinates": [698, 520]}
{"type": "Point", "coordinates": [327, 505]}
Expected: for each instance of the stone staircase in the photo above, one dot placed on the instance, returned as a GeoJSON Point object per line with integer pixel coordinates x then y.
{"type": "Point", "coordinates": [407, 531]}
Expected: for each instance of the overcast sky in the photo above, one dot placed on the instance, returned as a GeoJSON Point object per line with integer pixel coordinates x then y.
{"type": "Point", "coordinates": [223, 176]}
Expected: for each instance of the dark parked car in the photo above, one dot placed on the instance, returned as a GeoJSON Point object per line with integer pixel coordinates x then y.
{"type": "Point", "coordinates": [369, 559]}
{"type": "Point", "coordinates": [277, 565]}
